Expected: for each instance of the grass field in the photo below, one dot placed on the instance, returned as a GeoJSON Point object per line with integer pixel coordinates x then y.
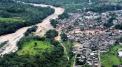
{"type": "Point", "coordinates": [11, 20]}
{"type": "Point", "coordinates": [110, 58]}
{"type": "Point", "coordinates": [34, 47]}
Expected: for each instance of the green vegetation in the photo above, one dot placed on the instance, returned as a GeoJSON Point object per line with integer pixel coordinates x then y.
{"type": "Point", "coordinates": [120, 39]}
{"type": "Point", "coordinates": [108, 24]}
{"type": "Point", "coordinates": [54, 23]}
{"type": "Point", "coordinates": [111, 57]}
{"type": "Point", "coordinates": [78, 5]}
{"type": "Point", "coordinates": [17, 15]}
{"type": "Point", "coordinates": [2, 44]}
{"type": "Point", "coordinates": [68, 52]}
{"type": "Point", "coordinates": [51, 34]}
{"type": "Point", "coordinates": [64, 37]}
{"type": "Point", "coordinates": [38, 52]}
{"type": "Point", "coordinates": [68, 45]}
{"type": "Point", "coordinates": [114, 1]}
{"type": "Point", "coordinates": [34, 47]}
{"type": "Point", "coordinates": [69, 5]}
{"type": "Point", "coordinates": [30, 30]}
{"type": "Point", "coordinates": [104, 7]}
{"type": "Point", "coordinates": [59, 2]}
{"type": "Point", "coordinates": [118, 26]}
{"type": "Point", "coordinates": [63, 16]}
{"type": "Point", "coordinates": [11, 20]}
{"type": "Point", "coordinates": [110, 21]}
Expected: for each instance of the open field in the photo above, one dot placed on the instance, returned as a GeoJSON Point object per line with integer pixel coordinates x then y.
{"type": "Point", "coordinates": [34, 47]}
{"type": "Point", "coordinates": [110, 58]}
{"type": "Point", "coordinates": [11, 20]}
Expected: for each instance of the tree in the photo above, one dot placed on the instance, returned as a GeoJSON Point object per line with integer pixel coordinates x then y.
{"type": "Point", "coordinates": [30, 30]}
{"type": "Point", "coordinates": [64, 37]}
{"type": "Point", "coordinates": [63, 16]}
{"type": "Point", "coordinates": [54, 23]}
{"type": "Point", "coordinates": [118, 26]}
{"type": "Point", "coordinates": [35, 44]}
{"type": "Point", "coordinates": [114, 65]}
{"type": "Point", "coordinates": [51, 34]}
{"type": "Point", "coordinates": [109, 23]}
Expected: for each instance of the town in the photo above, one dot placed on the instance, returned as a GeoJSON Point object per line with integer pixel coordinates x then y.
{"type": "Point", "coordinates": [60, 33]}
{"type": "Point", "coordinates": [92, 35]}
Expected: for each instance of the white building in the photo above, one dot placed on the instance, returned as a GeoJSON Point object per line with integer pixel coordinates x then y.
{"type": "Point", "coordinates": [120, 53]}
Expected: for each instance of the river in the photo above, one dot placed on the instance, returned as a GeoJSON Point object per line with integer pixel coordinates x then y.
{"type": "Point", "coordinates": [13, 38]}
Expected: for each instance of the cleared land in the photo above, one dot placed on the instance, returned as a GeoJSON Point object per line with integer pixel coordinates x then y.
{"type": "Point", "coordinates": [11, 20]}
{"type": "Point", "coordinates": [34, 47]}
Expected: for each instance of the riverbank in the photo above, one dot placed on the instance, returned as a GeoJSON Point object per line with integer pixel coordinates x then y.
{"type": "Point", "coordinates": [42, 28]}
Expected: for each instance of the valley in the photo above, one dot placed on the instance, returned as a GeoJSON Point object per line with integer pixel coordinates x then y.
{"type": "Point", "coordinates": [60, 33]}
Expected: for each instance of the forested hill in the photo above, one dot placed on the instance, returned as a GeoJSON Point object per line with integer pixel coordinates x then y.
{"type": "Point", "coordinates": [76, 5]}
{"type": "Point", "coordinates": [16, 15]}
{"type": "Point", "coordinates": [69, 5]}
{"type": "Point", "coordinates": [57, 1]}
